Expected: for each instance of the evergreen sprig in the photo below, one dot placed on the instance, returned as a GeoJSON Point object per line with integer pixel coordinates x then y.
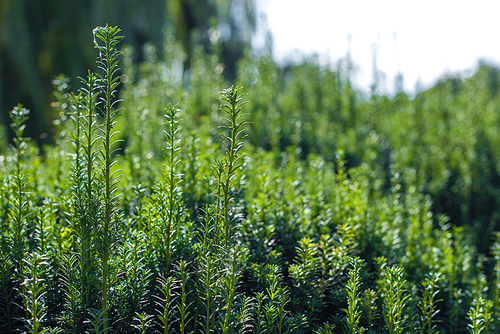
{"type": "Point", "coordinates": [173, 179]}
{"type": "Point", "coordinates": [394, 300]}
{"type": "Point", "coordinates": [85, 188]}
{"type": "Point", "coordinates": [231, 104]}
{"type": "Point", "coordinates": [428, 305]}
{"type": "Point", "coordinates": [19, 116]}
{"type": "Point", "coordinates": [208, 265]}
{"type": "Point", "coordinates": [106, 40]}
{"type": "Point", "coordinates": [18, 215]}
{"type": "Point", "coordinates": [33, 294]}
{"type": "Point", "coordinates": [183, 304]}
{"type": "Point", "coordinates": [353, 311]}
{"type": "Point", "coordinates": [164, 303]}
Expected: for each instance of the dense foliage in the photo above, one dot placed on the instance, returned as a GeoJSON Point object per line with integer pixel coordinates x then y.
{"type": "Point", "coordinates": [289, 206]}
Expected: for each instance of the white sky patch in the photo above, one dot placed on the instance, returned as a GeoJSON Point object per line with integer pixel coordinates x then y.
{"type": "Point", "coordinates": [424, 40]}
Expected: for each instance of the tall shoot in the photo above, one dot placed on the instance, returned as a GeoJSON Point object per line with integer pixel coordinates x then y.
{"type": "Point", "coordinates": [231, 105]}
{"type": "Point", "coordinates": [19, 116]}
{"type": "Point", "coordinates": [87, 200]}
{"type": "Point", "coordinates": [172, 175]}
{"type": "Point", "coordinates": [106, 40]}
{"type": "Point", "coordinates": [353, 286]}
{"type": "Point", "coordinates": [18, 203]}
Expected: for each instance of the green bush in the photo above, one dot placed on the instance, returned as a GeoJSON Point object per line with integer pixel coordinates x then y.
{"type": "Point", "coordinates": [298, 208]}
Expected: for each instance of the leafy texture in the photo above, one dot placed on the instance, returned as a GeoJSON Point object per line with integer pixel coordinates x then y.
{"type": "Point", "coordinates": [332, 216]}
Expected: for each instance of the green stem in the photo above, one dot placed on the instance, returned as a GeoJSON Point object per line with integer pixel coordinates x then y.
{"type": "Point", "coordinates": [104, 290]}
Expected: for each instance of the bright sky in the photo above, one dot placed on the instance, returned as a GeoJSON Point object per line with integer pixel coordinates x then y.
{"type": "Point", "coordinates": [423, 39]}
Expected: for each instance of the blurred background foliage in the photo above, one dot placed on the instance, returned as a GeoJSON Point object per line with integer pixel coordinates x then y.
{"type": "Point", "coordinates": [39, 39]}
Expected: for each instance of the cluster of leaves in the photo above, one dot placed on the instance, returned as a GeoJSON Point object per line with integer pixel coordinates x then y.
{"type": "Point", "coordinates": [162, 220]}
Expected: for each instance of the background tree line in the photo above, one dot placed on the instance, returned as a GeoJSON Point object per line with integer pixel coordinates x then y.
{"type": "Point", "coordinates": [40, 39]}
